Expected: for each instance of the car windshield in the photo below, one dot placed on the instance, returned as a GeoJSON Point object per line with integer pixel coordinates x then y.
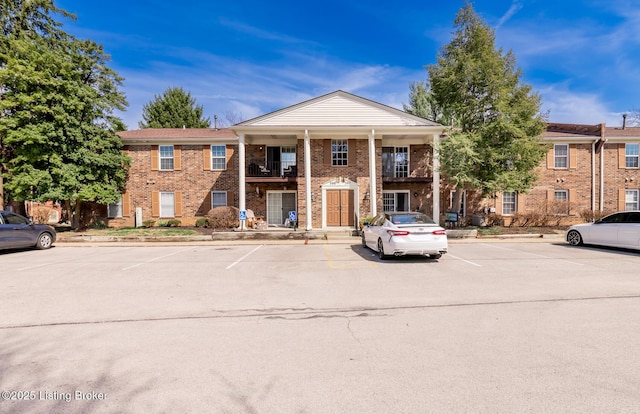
{"type": "Point", "coordinates": [410, 219]}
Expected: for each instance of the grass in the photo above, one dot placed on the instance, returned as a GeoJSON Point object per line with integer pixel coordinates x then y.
{"type": "Point", "coordinates": [141, 231]}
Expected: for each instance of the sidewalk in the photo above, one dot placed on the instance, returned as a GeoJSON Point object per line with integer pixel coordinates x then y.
{"type": "Point", "coordinates": [285, 236]}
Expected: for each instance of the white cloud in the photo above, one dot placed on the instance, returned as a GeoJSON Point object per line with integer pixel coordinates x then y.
{"type": "Point", "coordinates": [515, 7]}
{"type": "Point", "coordinates": [569, 107]}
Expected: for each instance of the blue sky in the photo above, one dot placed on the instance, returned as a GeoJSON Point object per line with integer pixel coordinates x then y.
{"type": "Point", "coordinates": [251, 57]}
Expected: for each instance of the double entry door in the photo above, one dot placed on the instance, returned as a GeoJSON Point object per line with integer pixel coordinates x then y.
{"type": "Point", "coordinates": [340, 210]}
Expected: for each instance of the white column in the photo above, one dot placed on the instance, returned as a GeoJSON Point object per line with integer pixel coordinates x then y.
{"type": "Point", "coordinates": [372, 174]}
{"type": "Point", "coordinates": [436, 179]}
{"type": "Point", "coordinates": [307, 178]}
{"type": "Point", "coordinates": [241, 178]}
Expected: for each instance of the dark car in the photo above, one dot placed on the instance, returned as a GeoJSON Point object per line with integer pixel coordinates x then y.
{"type": "Point", "coordinates": [17, 231]}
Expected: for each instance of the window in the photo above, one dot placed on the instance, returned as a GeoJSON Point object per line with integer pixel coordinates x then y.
{"type": "Point", "coordinates": [631, 200]}
{"type": "Point", "coordinates": [561, 155]}
{"type": "Point", "coordinates": [218, 157]}
{"type": "Point", "coordinates": [561, 202]}
{"type": "Point", "coordinates": [115, 210]}
{"type": "Point", "coordinates": [631, 153]}
{"type": "Point", "coordinates": [167, 205]}
{"type": "Point", "coordinates": [218, 199]}
{"type": "Point", "coordinates": [508, 202]}
{"type": "Point", "coordinates": [395, 161]}
{"type": "Point", "coordinates": [395, 201]}
{"type": "Point", "coordinates": [339, 151]}
{"type": "Point", "coordinates": [287, 157]}
{"type": "Point", "coordinates": [166, 157]}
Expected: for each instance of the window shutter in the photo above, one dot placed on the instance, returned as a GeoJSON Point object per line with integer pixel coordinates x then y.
{"type": "Point", "coordinates": [351, 152]}
{"type": "Point", "coordinates": [622, 194]}
{"type": "Point", "coordinates": [551, 159]}
{"type": "Point", "coordinates": [206, 157]}
{"type": "Point", "coordinates": [230, 199]}
{"type": "Point", "coordinates": [573, 195]}
{"type": "Point", "coordinates": [326, 148]}
{"type": "Point", "coordinates": [177, 157]}
{"type": "Point", "coordinates": [499, 204]}
{"type": "Point", "coordinates": [154, 158]}
{"type": "Point", "coordinates": [229, 155]}
{"type": "Point", "coordinates": [126, 204]}
{"type": "Point", "coordinates": [551, 195]}
{"type": "Point", "coordinates": [521, 202]}
{"type": "Point", "coordinates": [206, 203]}
{"type": "Point", "coordinates": [573, 156]}
{"type": "Point", "coordinates": [177, 201]}
{"type": "Point", "coordinates": [155, 204]}
{"type": "Point", "coordinates": [622, 156]}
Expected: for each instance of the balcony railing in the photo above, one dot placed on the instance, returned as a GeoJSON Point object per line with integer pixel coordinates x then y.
{"type": "Point", "coordinates": [272, 169]}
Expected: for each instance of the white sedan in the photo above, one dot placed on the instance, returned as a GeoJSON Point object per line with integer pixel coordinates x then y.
{"type": "Point", "coordinates": [620, 229]}
{"type": "Point", "coordinates": [402, 234]}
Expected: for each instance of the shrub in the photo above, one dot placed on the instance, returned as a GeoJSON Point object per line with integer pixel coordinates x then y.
{"type": "Point", "coordinates": [202, 222]}
{"type": "Point", "coordinates": [41, 215]}
{"type": "Point", "coordinates": [174, 223]}
{"type": "Point", "coordinates": [148, 223]}
{"type": "Point", "coordinates": [591, 216]}
{"type": "Point", "coordinates": [494, 220]}
{"type": "Point", "coordinates": [224, 217]}
{"type": "Point", "coordinates": [99, 225]}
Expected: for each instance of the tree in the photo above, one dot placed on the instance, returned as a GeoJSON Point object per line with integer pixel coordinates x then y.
{"type": "Point", "coordinates": [497, 144]}
{"type": "Point", "coordinates": [57, 127]}
{"type": "Point", "coordinates": [174, 109]}
{"type": "Point", "coordinates": [422, 103]}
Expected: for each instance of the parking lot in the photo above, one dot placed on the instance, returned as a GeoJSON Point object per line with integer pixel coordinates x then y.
{"type": "Point", "coordinates": [490, 327]}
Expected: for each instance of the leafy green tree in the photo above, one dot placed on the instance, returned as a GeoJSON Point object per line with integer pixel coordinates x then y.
{"type": "Point", "coordinates": [497, 144]}
{"type": "Point", "coordinates": [57, 122]}
{"type": "Point", "coordinates": [422, 103]}
{"type": "Point", "coordinates": [175, 108]}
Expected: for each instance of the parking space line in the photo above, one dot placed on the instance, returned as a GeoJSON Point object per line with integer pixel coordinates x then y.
{"type": "Point", "coordinates": [243, 257]}
{"type": "Point", "coordinates": [33, 267]}
{"type": "Point", "coordinates": [348, 263]}
{"type": "Point", "coordinates": [152, 260]}
{"type": "Point", "coordinates": [463, 260]}
{"type": "Point", "coordinates": [532, 254]}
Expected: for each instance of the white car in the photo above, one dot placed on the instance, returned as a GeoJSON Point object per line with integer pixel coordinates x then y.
{"type": "Point", "coordinates": [402, 234]}
{"type": "Point", "coordinates": [620, 229]}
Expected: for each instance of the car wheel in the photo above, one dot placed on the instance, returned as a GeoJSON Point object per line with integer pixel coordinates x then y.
{"type": "Point", "coordinates": [44, 241]}
{"type": "Point", "coordinates": [364, 240]}
{"type": "Point", "coordinates": [435, 256]}
{"type": "Point", "coordinates": [381, 254]}
{"type": "Point", "coordinates": [574, 238]}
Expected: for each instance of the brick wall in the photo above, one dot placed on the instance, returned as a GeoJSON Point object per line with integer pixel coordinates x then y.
{"type": "Point", "coordinates": [192, 180]}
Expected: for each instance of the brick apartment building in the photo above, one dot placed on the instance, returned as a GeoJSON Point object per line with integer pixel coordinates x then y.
{"type": "Point", "coordinates": [340, 158]}
{"type": "Point", "coordinates": [335, 160]}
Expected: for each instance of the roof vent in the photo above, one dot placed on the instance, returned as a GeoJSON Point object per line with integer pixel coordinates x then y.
{"type": "Point", "coordinates": [624, 121]}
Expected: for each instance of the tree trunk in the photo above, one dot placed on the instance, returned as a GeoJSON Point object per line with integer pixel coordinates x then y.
{"type": "Point", "coordinates": [1, 191]}
{"type": "Point", "coordinates": [456, 203]}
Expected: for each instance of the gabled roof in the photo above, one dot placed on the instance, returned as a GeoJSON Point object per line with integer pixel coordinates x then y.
{"type": "Point", "coordinates": [337, 109]}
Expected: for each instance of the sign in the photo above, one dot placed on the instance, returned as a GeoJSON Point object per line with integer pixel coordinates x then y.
{"type": "Point", "coordinates": [451, 217]}
{"type": "Point", "coordinates": [243, 215]}
{"type": "Point", "coordinates": [293, 216]}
